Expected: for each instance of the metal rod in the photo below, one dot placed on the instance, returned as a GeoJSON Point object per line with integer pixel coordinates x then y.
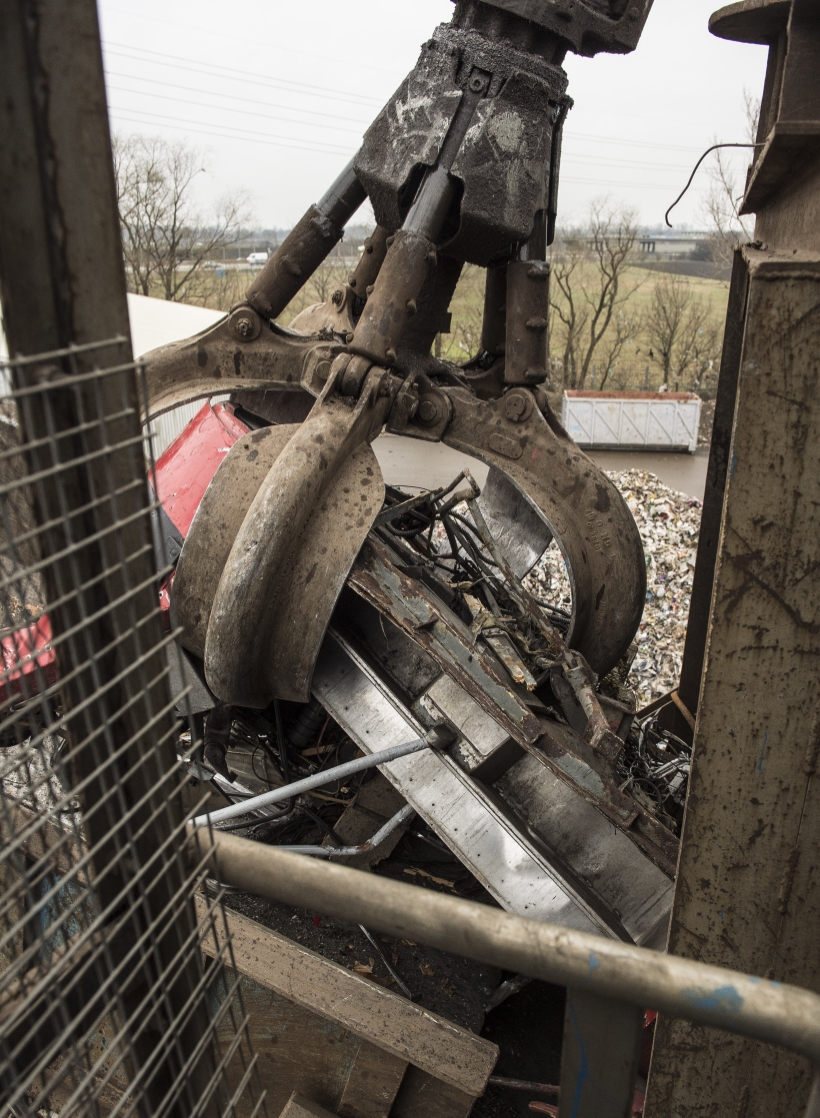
{"type": "Point", "coordinates": [523, 1085]}
{"type": "Point", "coordinates": [401, 985]}
{"type": "Point", "coordinates": [706, 995]}
{"type": "Point", "coordinates": [287, 791]}
{"type": "Point", "coordinates": [363, 848]}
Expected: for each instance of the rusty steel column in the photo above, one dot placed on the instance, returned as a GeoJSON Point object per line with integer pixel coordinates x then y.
{"type": "Point", "coordinates": [748, 889]}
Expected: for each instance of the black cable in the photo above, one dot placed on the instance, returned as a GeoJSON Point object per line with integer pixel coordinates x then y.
{"type": "Point", "coordinates": [323, 825]}
{"type": "Point", "coordinates": [714, 147]}
{"type": "Point", "coordinates": [283, 750]}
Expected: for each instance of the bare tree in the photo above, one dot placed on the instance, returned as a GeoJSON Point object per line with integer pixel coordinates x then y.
{"type": "Point", "coordinates": [623, 330]}
{"type": "Point", "coordinates": [589, 270]}
{"type": "Point", "coordinates": [166, 239]}
{"type": "Point", "coordinates": [722, 204]}
{"type": "Point", "coordinates": [681, 330]}
{"type": "Point", "coordinates": [570, 309]}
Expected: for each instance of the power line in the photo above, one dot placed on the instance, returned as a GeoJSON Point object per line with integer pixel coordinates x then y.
{"type": "Point", "coordinates": [245, 112]}
{"type": "Point", "coordinates": [221, 34]}
{"type": "Point", "coordinates": [228, 96]}
{"type": "Point", "coordinates": [603, 183]}
{"type": "Point", "coordinates": [193, 126]}
{"type": "Point", "coordinates": [620, 141]}
{"type": "Point", "coordinates": [248, 77]}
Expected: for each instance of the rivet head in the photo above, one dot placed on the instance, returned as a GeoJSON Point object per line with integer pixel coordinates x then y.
{"type": "Point", "coordinates": [244, 327]}
{"type": "Point", "coordinates": [337, 297]}
{"type": "Point", "coordinates": [427, 412]}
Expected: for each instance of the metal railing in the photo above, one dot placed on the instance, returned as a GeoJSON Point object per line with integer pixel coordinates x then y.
{"type": "Point", "coordinates": [609, 984]}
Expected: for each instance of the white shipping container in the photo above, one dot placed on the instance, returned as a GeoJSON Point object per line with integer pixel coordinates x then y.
{"type": "Point", "coordinates": [632, 420]}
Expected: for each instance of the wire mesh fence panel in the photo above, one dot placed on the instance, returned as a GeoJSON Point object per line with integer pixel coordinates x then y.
{"type": "Point", "coordinates": [106, 1006]}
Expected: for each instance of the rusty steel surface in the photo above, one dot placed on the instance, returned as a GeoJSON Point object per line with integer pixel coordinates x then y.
{"type": "Point", "coordinates": [479, 120]}
{"type": "Point", "coordinates": [586, 26]}
{"type": "Point", "coordinates": [290, 558]}
{"type": "Point", "coordinates": [748, 882]}
{"type": "Point", "coordinates": [216, 524]}
{"type": "Point", "coordinates": [748, 886]}
{"type": "Point", "coordinates": [526, 350]}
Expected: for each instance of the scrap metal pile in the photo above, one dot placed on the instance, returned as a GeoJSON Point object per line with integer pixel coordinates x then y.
{"type": "Point", "coordinates": [669, 523]}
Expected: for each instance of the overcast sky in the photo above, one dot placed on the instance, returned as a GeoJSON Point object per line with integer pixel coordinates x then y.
{"type": "Point", "coordinates": [279, 93]}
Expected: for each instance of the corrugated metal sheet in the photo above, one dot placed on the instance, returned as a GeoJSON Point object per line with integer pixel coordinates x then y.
{"type": "Point", "coordinates": [633, 421]}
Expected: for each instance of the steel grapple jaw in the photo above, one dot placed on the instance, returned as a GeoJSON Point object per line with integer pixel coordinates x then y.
{"type": "Point", "coordinates": [460, 166]}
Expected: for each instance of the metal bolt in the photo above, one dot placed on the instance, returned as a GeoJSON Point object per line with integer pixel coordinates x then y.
{"type": "Point", "coordinates": [537, 324]}
{"type": "Point", "coordinates": [427, 412]}
{"type": "Point", "coordinates": [389, 241]}
{"type": "Point", "coordinates": [412, 306]}
{"type": "Point", "coordinates": [337, 297]}
{"type": "Point", "coordinates": [369, 289]}
{"type": "Point", "coordinates": [516, 407]}
{"type": "Point", "coordinates": [390, 355]}
{"type": "Point", "coordinates": [349, 337]}
{"type": "Point", "coordinates": [478, 83]}
{"type": "Point", "coordinates": [244, 327]}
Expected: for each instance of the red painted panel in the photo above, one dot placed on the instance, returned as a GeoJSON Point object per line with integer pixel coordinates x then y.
{"type": "Point", "coordinates": [185, 469]}
{"type": "Point", "coordinates": [24, 651]}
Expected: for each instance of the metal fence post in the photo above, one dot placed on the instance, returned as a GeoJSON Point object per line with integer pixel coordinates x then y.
{"type": "Point", "coordinates": [602, 1040]}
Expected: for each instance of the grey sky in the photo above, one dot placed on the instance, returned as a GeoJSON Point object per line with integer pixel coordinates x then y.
{"type": "Point", "coordinates": [279, 94]}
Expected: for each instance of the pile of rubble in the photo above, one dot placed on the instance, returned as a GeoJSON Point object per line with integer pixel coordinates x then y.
{"type": "Point", "coordinates": [669, 523]}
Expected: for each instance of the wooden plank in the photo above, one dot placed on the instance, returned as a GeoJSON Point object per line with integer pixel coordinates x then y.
{"type": "Point", "coordinates": [423, 1096]}
{"type": "Point", "coordinates": [437, 1046]}
{"type": "Point", "coordinates": [298, 1106]}
{"type": "Point", "coordinates": [748, 892]}
{"type": "Point", "coordinates": [373, 1083]}
{"type": "Point", "coordinates": [295, 1050]}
